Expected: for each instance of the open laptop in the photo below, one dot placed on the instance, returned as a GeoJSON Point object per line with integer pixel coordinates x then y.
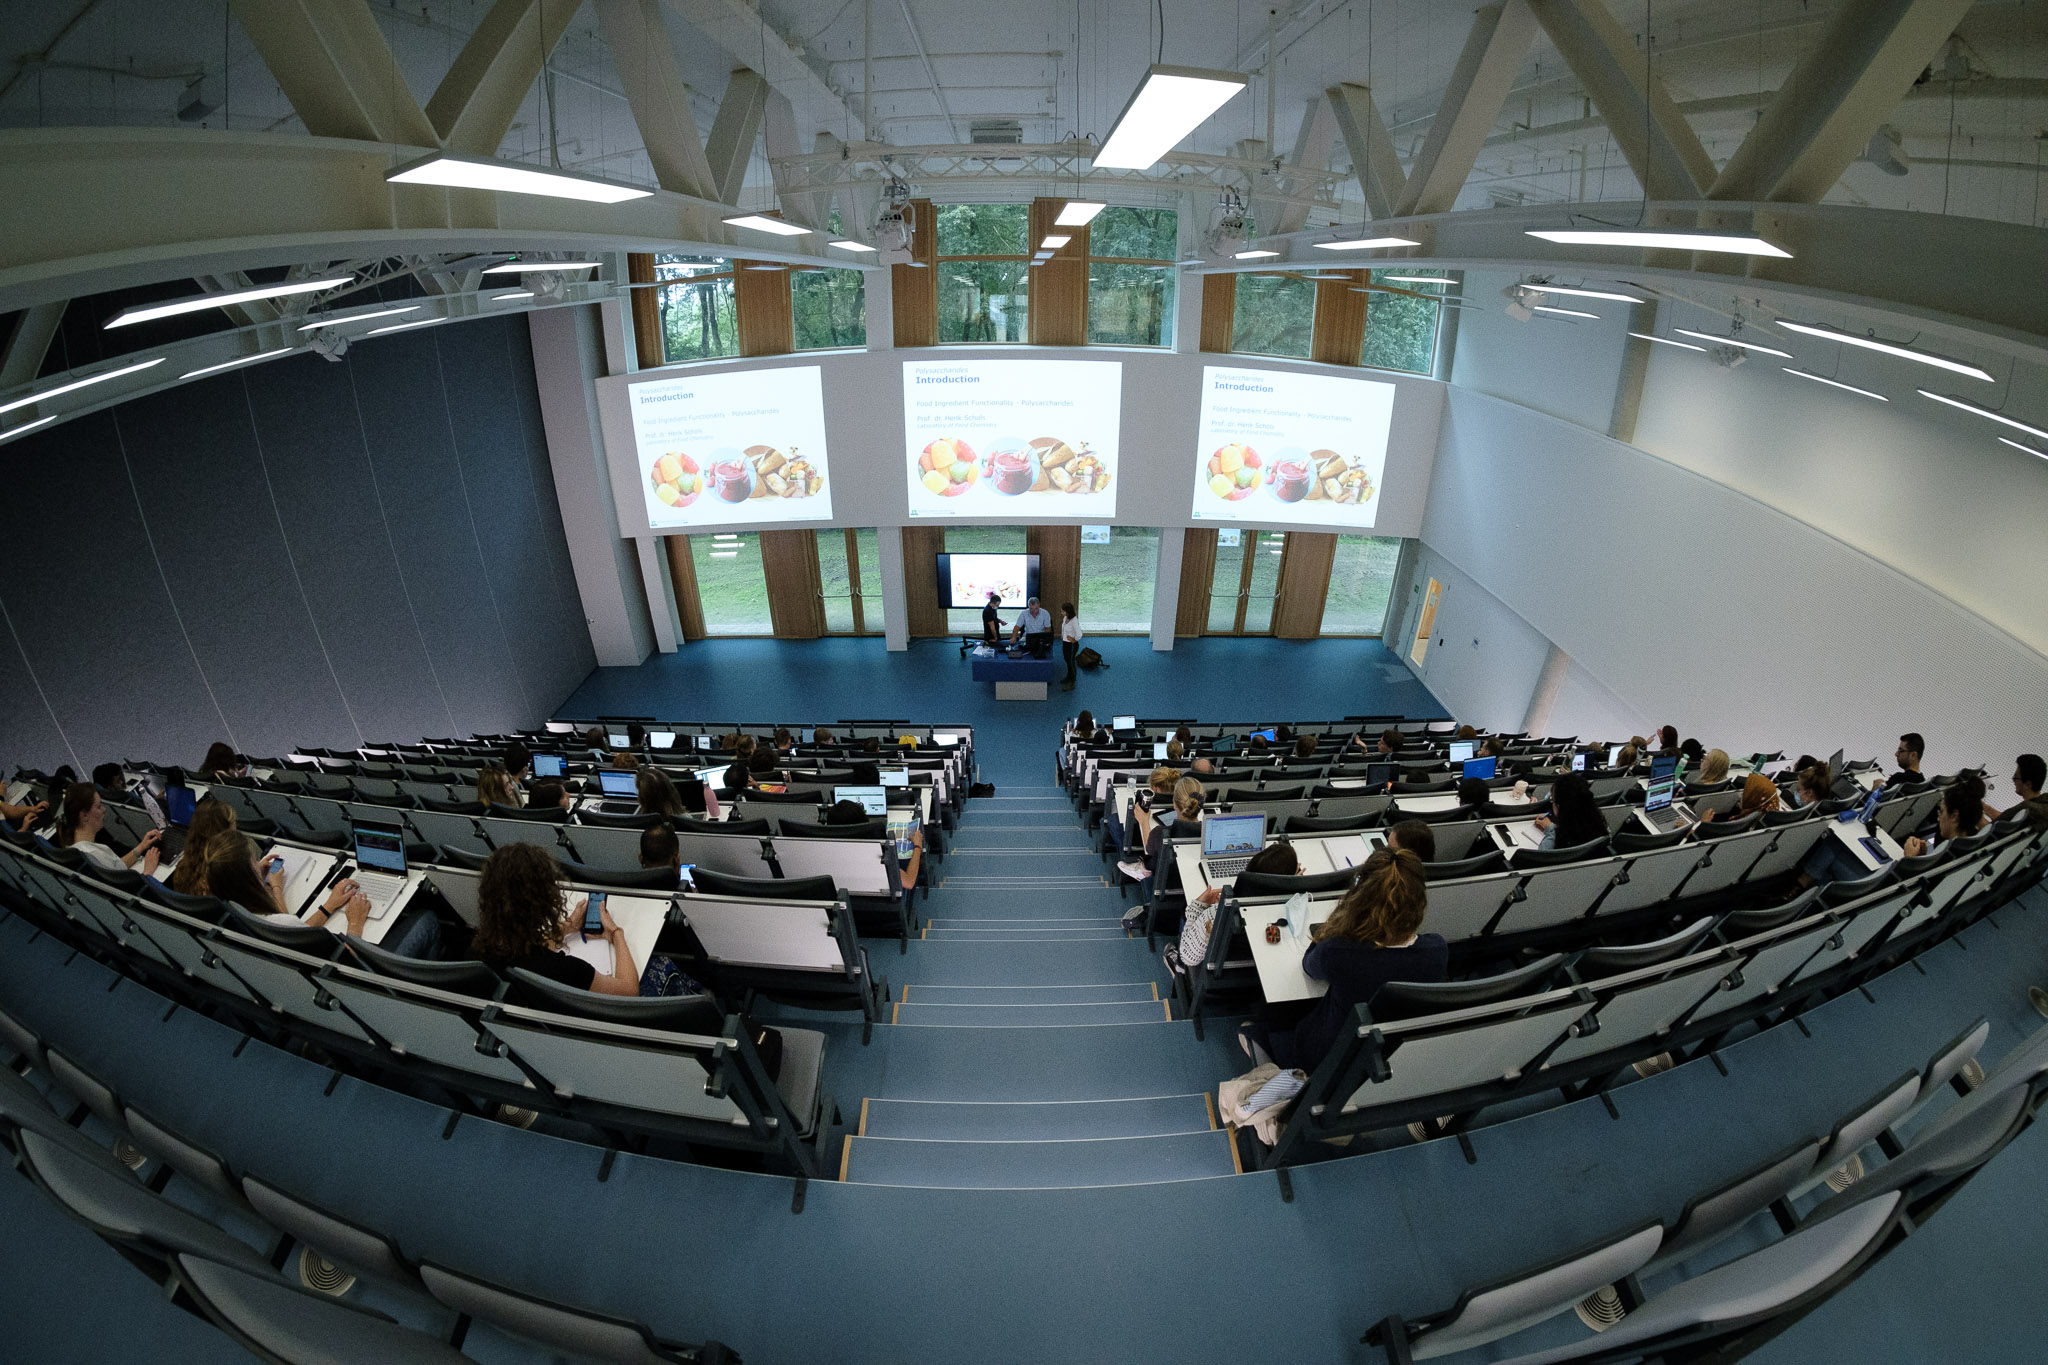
{"type": "Point", "coordinates": [617, 782]}
{"type": "Point", "coordinates": [1121, 723]}
{"type": "Point", "coordinates": [618, 739]}
{"type": "Point", "coordinates": [944, 741]}
{"type": "Point", "coordinates": [1380, 774]}
{"type": "Point", "coordinates": [1159, 751]}
{"type": "Point", "coordinates": [1463, 749]}
{"type": "Point", "coordinates": [547, 765]}
{"type": "Point", "coordinates": [661, 739]}
{"type": "Point", "coordinates": [900, 823]}
{"type": "Point", "coordinates": [1481, 767]}
{"type": "Point", "coordinates": [1271, 736]}
{"type": "Point", "coordinates": [1578, 763]}
{"type": "Point", "coordinates": [380, 864]}
{"type": "Point", "coordinates": [1661, 812]}
{"type": "Point", "coordinates": [895, 777]}
{"type": "Point", "coordinates": [703, 743]}
{"type": "Point", "coordinates": [873, 800]}
{"type": "Point", "coordinates": [1229, 841]}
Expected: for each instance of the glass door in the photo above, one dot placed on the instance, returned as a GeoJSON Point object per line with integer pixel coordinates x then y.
{"type": "Point", "coordinates": [1245, 581]}
{"type": "Point", "coordinates": [850, 581]}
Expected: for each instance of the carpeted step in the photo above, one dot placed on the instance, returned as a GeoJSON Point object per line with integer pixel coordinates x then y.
{"type": "Point", "coordinates": [1064, 1014]}
{"type": "Point", "coordinates": [1067, 1062]}
{"type": "Point", "coordinates": [1121, 992]}
{"type": "Point", "coordinates": [1037, 1165]}
{"type": "Point", "coordinates": [996, 1121]}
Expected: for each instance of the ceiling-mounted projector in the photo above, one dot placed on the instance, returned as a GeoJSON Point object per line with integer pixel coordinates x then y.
{"type": "Point", "coordinates": [1521, 305]}
{"type": "Point", "coordinates": [896, 220]}
{"type": "Point", "coordinates": [1728, 357]}
{"type": "Point", "coordinates": [1230, 226]}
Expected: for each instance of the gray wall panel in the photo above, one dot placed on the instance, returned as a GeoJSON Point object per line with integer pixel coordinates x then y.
{"type": "Point", "coordinates": [574, 655]}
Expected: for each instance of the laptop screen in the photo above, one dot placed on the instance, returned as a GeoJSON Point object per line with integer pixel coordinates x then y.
{"type": "Point", "coordinates": [547, 765]}
{"type": "Point", "coordinates": [1481, 767]}
{"type": "Point", "coordinates": [711, 777]}
{"type": "Point", "coordinates": [873, 800]}
{"type": "Point", "coordinates": [612, 782]}
{"type": "Point", "coordinates": [617, 740]}
{"type": "Point", "coordinates": [178, 803]}
{"type": "Point", "coordinates": [807, 735]}
{"type": "Point", "coordinates": [1658, 794]}
{"type": "Point", "coordinates": [1835, 765]}
{"type": "Point", "coordinates": [1578, 763]}
{"type": "Point", "coordinates": [895, 777]}
{"type": "Point", "coordinates": [1270, 736]}
{"type": "Point", "coordinates": [1123, 723]}
{"type": "Point", "coordinates": [1379, 774]}
{"type": "Point", "coordinates": [1159, 751]}
{"type": "Point", "coordinates": [380, 848]}
{"type": "Point", "coordinates": [1233, 836]}
{"type": "Point", "coordinates": [945, 741]}
{"type": "Point", "coordinates": [1663, 766]}
{"type": "Point", "coordinates": [899, 825]}
{"type": "Point", "coordinates": [661, 739]}
{"type": "Point", "coordinates": [704, 743]}
{"type": "Point", "coordinates": [1463, 749]}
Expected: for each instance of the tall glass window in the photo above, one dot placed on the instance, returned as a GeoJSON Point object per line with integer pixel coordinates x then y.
{"type": "Point", "coordinates": [1117, 576]}
{"type": "Point", "coordinates": [828, 308]}
{"type": "Point", "coordinates": [1361, 578]}
{"type": "Point", "coordinates": [983, 276]}
{"type": "Point", "coordinates": [1245, 581]}
{"type": "Point", "coordinates": [1131, 276]}
{"type": "Point", "coordinates": [698, 320]}
{"type": "Point", "coordinates": [730, 583]}
{"type": "Point", "coordinates": [1400, 329]}
{"type": "Point", "coordinates": [1274, 315]}
{"type": "Point", "coordinates": [850, 579]}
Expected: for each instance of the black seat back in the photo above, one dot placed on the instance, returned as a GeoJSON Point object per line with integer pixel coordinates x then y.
{"type": "Point", "coordinates": [1273, 884]}
{"type": "Point", "coordinates": [675, 1013]}
{"type": "Point", "coordinates": [1412, 999]}
{"type": "Point", "coordinates": [464, 978]}
{"type": "Point", "coordinates": [819, 888]}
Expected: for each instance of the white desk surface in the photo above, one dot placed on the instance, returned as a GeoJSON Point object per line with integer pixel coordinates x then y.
{"type": "Point", "coordinates": [1510, 836]}
{"type": "Point", "coordinates": [1279, 964]}
{"type": "Point", "coordinates": [640, 917]}
{"type": "Point", "coordinates": [1430, 802]}
{"type": "Point", "coordinates": [1852, 833]}
{"type": "Point", "coordinates": [1325, 853]}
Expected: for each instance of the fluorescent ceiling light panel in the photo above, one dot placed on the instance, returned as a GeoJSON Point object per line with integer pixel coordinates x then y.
{"type": "Point", "coordinates": [483, 173]}
{"type": "Point", "coordinates": [331, 321]}
{"type": "Point", "coordinates": [1580, 293]}
{"type": "Point", "coordinates": [848, 244]}
{"type": "Point", "coordinates": [767, 267]}
{"type": "Point", "coordinates": [1940, 362]}
{"type": "Point", "coordinates": [1363, 243]}
{"type": "Point", "coordinates": [1565, 312]}
{"type": "Point", "coordinates": [1737, 243]}
{"type": "Point", "coordinates": [1667, 341]}
{"type": "Point", "coordinates": [512, 294]}
{"type": "Point", "coordinates": [1255, 254]}
{"type": "Point", "coordinates": [1170, 103]}
{"type": "Point", "coordinates": [530, 267]}
{"type": "Point", "coordinates": [1731, 341]}
{"type": "Point", "coordinates": [781, 227]}
{"type": "Point", "coordinates": [239, 360]}
{"type": "Point", "coordinates": [1833, 383]}
{"type": "Point", "coordinates": [1078, 213]}
{"type": "Point", "coordinates": [403, 326]}
{"type": "Point", "coordinates": [77, 384]}
{"type": "Point", "coordinates": [1193, 260]}
{"type": "Point", "coordinates": [1962, 403]}
{"type": "Point", "coordinates": [1419, 279]}
{"type": "Point", "coordinates": [2038, 454]}
{"type": "Point", "coordinates": [1053, 242]}
{"type": "Point", "coordinates": [150, 312]}
{"type": "Point", "coordinates": [27, 427]}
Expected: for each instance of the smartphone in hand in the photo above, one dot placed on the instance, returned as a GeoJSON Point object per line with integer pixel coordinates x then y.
{"type": "Point", "coordinates": [593, 915]}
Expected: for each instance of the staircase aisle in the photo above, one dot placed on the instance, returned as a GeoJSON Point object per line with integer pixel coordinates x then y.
{"type": "Point", "coordinates": [1032, 1044]}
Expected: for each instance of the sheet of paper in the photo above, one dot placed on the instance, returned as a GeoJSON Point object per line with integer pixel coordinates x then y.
{"type": "Point", "coordinates": [596, 951]}
{"type": "Point", "coordinates": [304, 869]}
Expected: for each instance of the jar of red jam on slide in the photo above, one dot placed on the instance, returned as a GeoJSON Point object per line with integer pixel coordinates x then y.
{"type": "Point", "coordinates": [1291, 480]}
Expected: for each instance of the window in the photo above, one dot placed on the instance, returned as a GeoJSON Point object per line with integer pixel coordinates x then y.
{"type": "Point", "coordinates": [698, 321]}
{"type": "Point", "coordinates": [829, 308]}
{"type": "Point", "coordinates": [984, 281]}
{"type": "Point", "coordinates": [730, 585]}
{"type": "Point", "coordinates": [1275, 315]}
{"type": "Point", "coordinates": [1117, 579]}
{"type": "Point", "coordinates": [850, 578]}
{"type": "Point", "coordinates": [1131, 276]}
{"type": "Point", "coordinates": [1361, 577]}
{"type": "Point", "coordinates": [1400, 330]}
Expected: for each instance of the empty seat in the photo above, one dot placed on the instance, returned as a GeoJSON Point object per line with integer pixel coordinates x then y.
{"type": "Point", "coordinates": [464, 978]}
{"type": "Point", "coordinates": [820, 888]}
{"type": "Point", "coordinates": [1413, 999]}
{"type": "Point", "coordinates": [118, 1208]}
{"type": "Point", "coordinates": [1479, 866]}
{"type": "Point", "coordinates": [1607, 959]}
{"type": "Point", "coordinates": [698, 1014]}
{"type": "Point", "coordinates": [586, 1335]}
{"type": "Point", "coordinates": [282, 1322]}
{"type": "Point", "coordinates": [1321, 824]}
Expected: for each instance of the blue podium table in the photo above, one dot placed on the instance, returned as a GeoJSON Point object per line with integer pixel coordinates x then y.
{"type": "Point", "coordinates": [1017, 679]}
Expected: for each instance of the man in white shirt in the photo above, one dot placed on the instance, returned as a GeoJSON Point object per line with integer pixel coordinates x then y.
{"type": "Point", "coordinates": [1034, 626]}
{"type": "Point", "coordinates": [1070, 641]}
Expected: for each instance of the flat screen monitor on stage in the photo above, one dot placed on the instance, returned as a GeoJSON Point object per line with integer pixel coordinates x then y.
{"type": "Point", "coordinates": [966, 580]}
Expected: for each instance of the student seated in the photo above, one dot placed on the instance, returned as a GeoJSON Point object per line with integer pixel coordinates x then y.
{"type": "Point", "coordinates": [1374, 936]}
{"type": "Point", "coordinates": [1961, 812]}
{"type": "Point", "coordinates": [24, 817]}
{"type": "Point", "coordinates": [1574, 818]}
{"type": "Point", "coordinates": [495, 787]}
{"type": "Point", "coordinates": [1812, 786]}
{"type": "Point", "coordinates": [548, 793]}
{"type": "Point", "coordinates": [1713, 767]}
{"type": "Point", "coordinates": [521, 922]}
{"type": "Point", "coordinates": [1389, 744]}
{"type": "Point", "coordinates": [1414, 835]}
{"type": "Point", "coordinates": [659, 796]}
{"type": "Point", "coordinates": [211, 818]}
{"type": "Point", "coordinates": [235, 870]}
{"type": "Point", "coordinates": [2029, 804]}
{"type": "Point", "coordinates": [83, 815]}
{"type": "Point", "coordinates": [853, 813]}
{"type": "Point", "coordinates": [1149, 807]}
{"type": "Point", "coordinates": [738, 776]}
{"type": "Point", "coordinates": [660, 848]}
{"type": "Point", "coordinates": [222, 762]}
{"type": "Point", "coordinates": [1474, 792]}
{"type": "Point", "coordinates": [1911, 747]}
{"type": "Point", "coordinates": [1759, 793]}
{"type": "Point", "coordinates": [1304, 746]}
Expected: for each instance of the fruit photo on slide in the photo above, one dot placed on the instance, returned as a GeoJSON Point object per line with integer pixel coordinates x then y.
{"type": "Point", "coordinates": [1234, 472]}
{"type": "Point", "coordinates": [948, 467]}
{"type": "Point", "coordinates": [677, 479]}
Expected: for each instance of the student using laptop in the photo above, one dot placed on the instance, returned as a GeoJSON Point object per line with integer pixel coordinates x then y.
{"type": "Point", "coordinates": [232, 876]}
{"type": "Point", "coordinates": [1229, 841]}
{"type": "Point", "coordinates": [84, 814]}
{"type": "Point", "coordinates": [1759, 793]}
{"type": "Point", "coordinates": [657, 795]}
{"type": "Point", "coordinates": [1034, 628]}
{"type": "Point", "coordinates": [1574, 818]}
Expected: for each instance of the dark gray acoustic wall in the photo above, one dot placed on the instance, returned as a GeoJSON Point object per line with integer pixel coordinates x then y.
{"type": "Point", "coordinates": [300, 553]}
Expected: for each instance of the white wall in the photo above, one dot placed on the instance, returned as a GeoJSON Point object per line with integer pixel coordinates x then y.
{"type": "Point", "coordinates": [1567, 367]}
{"type": "Point", "coordinates": [1483, 660]}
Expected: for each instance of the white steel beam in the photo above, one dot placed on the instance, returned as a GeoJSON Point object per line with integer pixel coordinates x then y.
{"type": "Point", "coordinates": [33, 332]}
{"type": "Point", "coordinates": [1493, 52]}
{"type": "Point", "coordinates": [731, 144]}
{"type": "Point", "coordinates": [1641, 116]}
{"type": "Point", "coordinates": [1373, 159]}
{"type": "Point", "coordinates": [474, 106]}
{"type": "Point", "coordinates": [1841, 92]}
{"type": "Point", "coordinates": [779, 139]}
{"type": "Point", "coordinates": [1288, 210]}
{"type": "Point", "coordinates": [738, 27]}
{"type": "Point", "coordinates": [645, 56]}
{"type": "Point", "coordinates": [331, 60]}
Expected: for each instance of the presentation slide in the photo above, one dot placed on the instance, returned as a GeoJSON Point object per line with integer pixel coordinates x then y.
{"type": "Point", "coordinates": [1275, 447]}
{"type": "Point", "coordinates": [739, 446]}
{"type": "Point", "coordinates": [1012, 438]}
{"type": "Point", "coordinates": [966, 580]}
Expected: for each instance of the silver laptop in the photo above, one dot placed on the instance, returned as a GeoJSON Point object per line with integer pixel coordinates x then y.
{"type": "Point", "coordinates": [1229, 841]}
{"type": "Point", "coordinates": [1659, 811]}
{"type": "Point", "coordinates": [380, 864]}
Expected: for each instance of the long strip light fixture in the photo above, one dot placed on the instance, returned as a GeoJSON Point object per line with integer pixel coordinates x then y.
{"type": "Point", "coordinates": [78, 384]}
{"type": "Point", "coordinates": [405, 326]}
{"type": "Point", "coordinates": [1677, 239]}
{"type": "Point", "coordinates": [314, 324]}
{"type": "Point", "coordinates": [238, 360]}
{"type": "Point", "coordinates": [534, 267]}
{"type": "Point", "coordinates": [1667, 341]}
{"type": "Point", "coordinates": [761, 222]}
{"type": "Point", "coordinates": [2039, 454]}
{"type": "Point", "coordinates": [26, 427]}
{"type": "Point", "coordinates": [1054, 241]}
{"type": "Point", "coordinates": [1580, 293]}
{"type": "Point", "coordinates": [848, 244]}
{"type": "Point", "coordinates": [1953, 402]}
{"type": "Point", "coordinates": [1169, 103]}
{"type": "Point", "coordinates": [1565, 312]}
{"type": "Point", "coordinates": [1257, 253]}
{"type": "Point", "coordinates": [1363, 243]}
{"type": "Point", "coordinates": [1731, 341]}
{"type": "Point", "coordinates": [199, 303]}
{"type": "Point", "coordinates": [1833, 383]}
{"type": "Point", "coordinates": [1078, 213]}
{"type": "Point", "coordinates": [484, 173]}
{"type": "Point", "coordinates": [1420, 279]}
{"type": "Point", "coordinates": [1940, 362]}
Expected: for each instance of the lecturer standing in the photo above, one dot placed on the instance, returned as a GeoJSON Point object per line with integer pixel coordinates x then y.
{"type": "Point", "coordinates": [1070, 641]}
{"type": "Point", "coordinates": [992, 620]}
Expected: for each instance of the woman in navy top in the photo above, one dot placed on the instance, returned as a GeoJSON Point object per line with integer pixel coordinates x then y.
{"type": "Point", "coordinates": [1374, 936]}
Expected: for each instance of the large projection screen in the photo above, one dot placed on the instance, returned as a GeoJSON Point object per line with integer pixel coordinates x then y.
{"type": "Point", "coordinates": [1276, 447]}
{"type": "Point", "coordinates": [1028, 439]}
{"type": "Point", "coordinates": [719, 449]}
